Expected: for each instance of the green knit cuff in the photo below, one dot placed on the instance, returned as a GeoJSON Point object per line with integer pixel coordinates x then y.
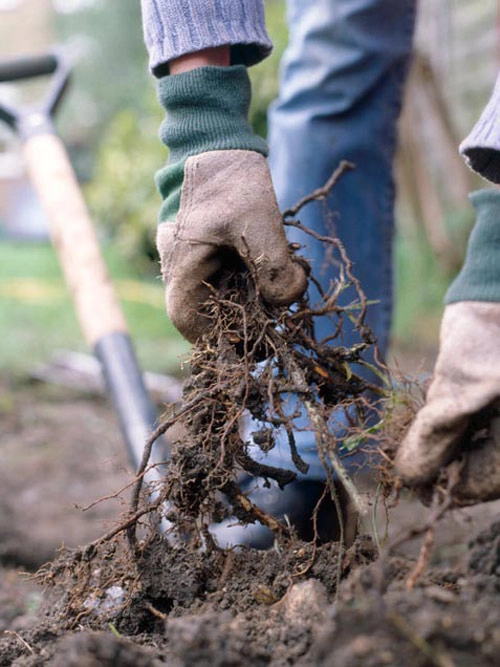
{"type": "Point", "coordinates": [206, 110]}
{"type": "Point", "coordinates": [479, 278]}
{"type": "Point", "coordinates": [169, 182]}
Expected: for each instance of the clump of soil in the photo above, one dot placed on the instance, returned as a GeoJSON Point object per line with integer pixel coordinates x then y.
{"type": "Point", "coordinates": [449, 618]}
{"type": "Point", "coordinates": [211, 615]}
{"type": "Point", "coordinates": [264, 363]}
{"type": "Point", "coordinates": [255, 608]}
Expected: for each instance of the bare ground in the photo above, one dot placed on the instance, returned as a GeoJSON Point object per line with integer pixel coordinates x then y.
{"type": "Point", "coordinates": [60, 449]}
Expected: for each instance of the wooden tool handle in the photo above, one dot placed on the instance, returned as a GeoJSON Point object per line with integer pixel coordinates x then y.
{"type": "Point", "coordinates": [74, 237]}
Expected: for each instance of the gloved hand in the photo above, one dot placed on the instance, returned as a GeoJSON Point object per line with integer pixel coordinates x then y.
{"type": "Point", "coordinates": [219, 201]}
{"type": "Point", "coordinates": [467, 372]}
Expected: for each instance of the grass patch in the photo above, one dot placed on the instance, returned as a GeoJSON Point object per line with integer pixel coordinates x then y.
{"type": "Point", "coordinates": [37, 316]}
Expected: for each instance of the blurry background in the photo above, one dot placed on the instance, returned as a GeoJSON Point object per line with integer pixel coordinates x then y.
{"type": "Point", "coordinates": [110, 121]}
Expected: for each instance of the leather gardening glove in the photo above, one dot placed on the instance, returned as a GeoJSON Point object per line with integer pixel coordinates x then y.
{"type": "Point", "coordinates": [467, 373]}
{"type": "Point", "coordinates": [219, 201]}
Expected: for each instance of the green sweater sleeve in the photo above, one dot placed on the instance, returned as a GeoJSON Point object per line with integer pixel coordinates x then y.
{"type": "Point", "coordinates": [206, 109]}
{"type": "Point", "coordinates": [479, 278]}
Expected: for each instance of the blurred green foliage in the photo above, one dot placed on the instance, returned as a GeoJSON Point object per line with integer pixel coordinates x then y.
{"type": "Point", "coordinates": [104, 41]}
{"type": "Point", "coordinates": [37, 316]}
{"type": "Point", "coordinates": [122, 194]}
{"type": "Point", "coordinates": [420, 288]}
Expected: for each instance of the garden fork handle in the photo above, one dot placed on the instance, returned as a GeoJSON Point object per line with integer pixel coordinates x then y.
{"type": "Point", "coordinates": [74, 238]}
{"type": "Point", "coordinates": [97, 308]}
{"type": "Point", "coordinates": [73, 235]}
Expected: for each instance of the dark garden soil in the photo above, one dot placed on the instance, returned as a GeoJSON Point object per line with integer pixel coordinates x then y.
{"type": "Point", "coordinates": [61, 450]}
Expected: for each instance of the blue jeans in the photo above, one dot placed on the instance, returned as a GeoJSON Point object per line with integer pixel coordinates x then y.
{"type": "Point", "coordinates": [342, 80]}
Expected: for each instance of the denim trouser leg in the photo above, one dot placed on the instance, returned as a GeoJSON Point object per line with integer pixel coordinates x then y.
{"type": "Point", "coordinates": [341, 86]}
{"type": "Point", "coordinates": [342, 81]}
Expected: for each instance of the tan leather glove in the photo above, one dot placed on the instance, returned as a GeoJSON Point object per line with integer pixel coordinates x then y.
{"type": "Point", "coordinates": [466, 381]}
{"type": "Point", "coordinates": [227, 206]}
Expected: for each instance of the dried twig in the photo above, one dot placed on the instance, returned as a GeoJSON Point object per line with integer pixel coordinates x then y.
{"type": "Point", "coordinates": [441, 504]}
{"type": "Point", "coordinates": [423, 558]}
{"type": "Point", "coordinates": [19, 639]}
{"type": "Point", "coordinates": [329, 453]}
{"type": "Point", "coordinates": [322, 192]}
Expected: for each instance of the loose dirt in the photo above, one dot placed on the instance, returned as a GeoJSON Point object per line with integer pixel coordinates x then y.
{"type": "Point", "coordinates": [60, 449]}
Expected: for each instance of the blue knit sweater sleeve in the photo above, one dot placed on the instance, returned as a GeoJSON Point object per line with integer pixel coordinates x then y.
{"type": "Point", "coordinates": [173, 28]}
{"type": "Point", "coordinates": [481, 148]}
